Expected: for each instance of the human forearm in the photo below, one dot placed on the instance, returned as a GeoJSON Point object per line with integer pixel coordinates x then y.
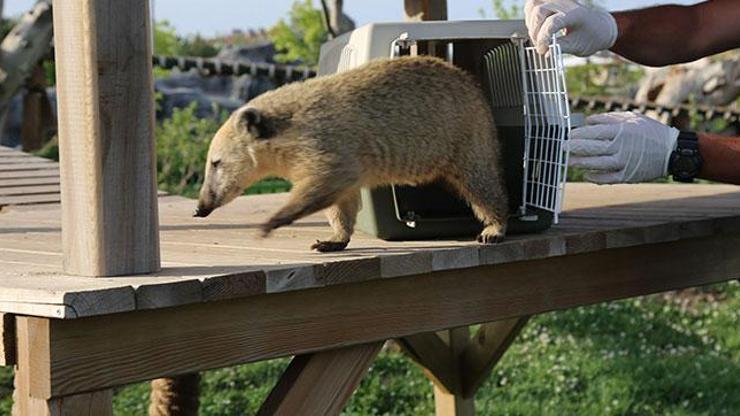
{"type": "Point", "coordinates": [721, 155]}
{"type": "Point", "coordinates": [649, 36]}
{"type": "Point", "coordinates": [671, 34]}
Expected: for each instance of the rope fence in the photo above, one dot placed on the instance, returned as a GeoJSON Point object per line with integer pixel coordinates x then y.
{"type": "Point", "coordinates": [281, 73]}
{"type": "Point", "coordinates": [708, 113]}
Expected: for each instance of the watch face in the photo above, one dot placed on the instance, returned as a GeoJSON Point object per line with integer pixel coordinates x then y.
{"type": "Point", "coordinates": [684, 165]}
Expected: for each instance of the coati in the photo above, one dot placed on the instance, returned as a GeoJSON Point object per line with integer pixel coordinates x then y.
{"type": "Point", "coordinates": [409, 121]}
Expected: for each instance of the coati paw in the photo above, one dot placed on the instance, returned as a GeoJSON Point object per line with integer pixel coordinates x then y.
{"type": "Point", "coordinates": [328, 246]}
{"type": "Point", "coordinates": [491, 235]}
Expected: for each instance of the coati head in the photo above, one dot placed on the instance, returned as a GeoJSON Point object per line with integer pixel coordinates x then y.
{"type": "Point", "coordinates": [232, 163]}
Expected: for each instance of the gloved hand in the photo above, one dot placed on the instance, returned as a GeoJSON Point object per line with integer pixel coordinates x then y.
{"type": "Point", "coordinates": [622, 147]}
{"type": "Point", "coordinates": [588, 30]}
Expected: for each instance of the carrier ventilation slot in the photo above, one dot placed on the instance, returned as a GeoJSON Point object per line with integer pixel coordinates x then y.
{"type": "Point", "coordinates": [503, 67]}
{"type": "Point", "coordinates": [547, 127]}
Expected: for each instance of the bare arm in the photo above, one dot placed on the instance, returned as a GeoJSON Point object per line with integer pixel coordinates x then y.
{"type": "Point", "coordinates": [721, 156]}
{"type": "Point", "coordinates": [665, 35]}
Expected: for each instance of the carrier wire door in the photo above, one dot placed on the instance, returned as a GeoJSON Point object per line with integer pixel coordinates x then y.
{"type": "Point", "coordinates": [519, 75]}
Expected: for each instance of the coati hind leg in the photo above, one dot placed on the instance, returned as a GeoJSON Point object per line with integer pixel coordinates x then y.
{"type": "Point", "coordinates": [342, 217]}
{"type": "Point", "coordinates": [483, 188]}
{"type": "Point", "coordinates": [310, 195]}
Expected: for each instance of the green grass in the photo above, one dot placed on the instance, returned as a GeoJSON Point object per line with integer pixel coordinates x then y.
{"type": "Point", "coordinates": [673, 354]}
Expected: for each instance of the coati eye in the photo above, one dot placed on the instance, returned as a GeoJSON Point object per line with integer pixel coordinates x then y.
{"type": "Point", "coordinates": [215, 163]}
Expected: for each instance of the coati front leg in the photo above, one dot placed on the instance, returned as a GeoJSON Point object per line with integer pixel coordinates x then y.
{"type": "Point", "coordinates": [308, 196]}
{"type": "Point", "coordinates": [342, 217]}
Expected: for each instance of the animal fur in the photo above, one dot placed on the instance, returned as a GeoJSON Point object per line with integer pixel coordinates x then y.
{"type": "Point", "coordinates": [404, 121]}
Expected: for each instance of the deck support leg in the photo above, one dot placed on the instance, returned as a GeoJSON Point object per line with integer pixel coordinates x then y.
{"type": "Point", "coordinates": [320, 383]}
{"type": "Point", "coordinates": [32, 371]}
{"type": "Point", "coordinates": [175, 396]}
{"type": "Point", "coordinates": [458, 364]}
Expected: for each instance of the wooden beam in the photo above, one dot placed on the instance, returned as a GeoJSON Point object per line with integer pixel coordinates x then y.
{"type": "Point", "coordinates": [175, 396]}
{"type": "Point", "coordinates": [485, 350]}
{"type": "Point", "coordinates": [106, 142]}
{"type": "Point", "coordinates": [432, 354]}
{"type": "Point", "coordinates": [418, 10]}
{"type": "Point", "coordinates": [453, 403]}
{"type": "Point", "coordinates": [320, 383]}
{"type": "Point", "coordinates": [34, 351]}
{"type": "Point", "coordinates": [7, 339]}
{"type": "Point", "coordinates": [106, 351]}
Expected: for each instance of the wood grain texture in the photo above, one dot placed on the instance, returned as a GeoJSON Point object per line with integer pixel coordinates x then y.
{"type": "Point", "coordinates": [320, 383]}
{"type": "Point", "coordinates": [143, 345]}
{"type": "Point", "coordinates": [106, 143]}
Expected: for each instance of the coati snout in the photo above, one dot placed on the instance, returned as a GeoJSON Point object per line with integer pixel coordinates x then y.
{"type": "Point", "coordinates": [410, 120]}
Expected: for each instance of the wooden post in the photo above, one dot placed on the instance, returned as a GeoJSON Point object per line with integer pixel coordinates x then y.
{"type": "Point", "coordinates": [452, 403]}
{"type": "Point", "coordinates": [106, 143]}
{"type": "Point", "coordinates": [418, 10]}
{"type": "Point", "coordinates": [457, 364]}
{"type": "Point", "coordinates": [34, 352]}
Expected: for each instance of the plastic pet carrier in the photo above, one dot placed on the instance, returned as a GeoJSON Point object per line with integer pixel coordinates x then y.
{"type": "Point", "coordinates": [530, 108]}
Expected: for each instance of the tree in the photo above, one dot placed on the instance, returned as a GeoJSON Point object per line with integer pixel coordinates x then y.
{"type": "Point", "coordinates": [166, 41]}
{"type": "Point", "coordinates": [300, 38]}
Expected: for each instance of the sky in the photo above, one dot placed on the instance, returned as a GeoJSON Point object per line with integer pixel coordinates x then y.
{"type": "Point", "coordinates": [213, 17]}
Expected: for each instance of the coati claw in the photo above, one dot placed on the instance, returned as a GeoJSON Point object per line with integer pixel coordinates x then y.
{"type": "Point", "coordinates": [328, 246]}
{"type": "Point", "coordinates": [490, 238]}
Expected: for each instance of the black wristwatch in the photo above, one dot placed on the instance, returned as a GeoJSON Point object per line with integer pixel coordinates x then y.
{"type": "Point", "coordinates": [685, 162]}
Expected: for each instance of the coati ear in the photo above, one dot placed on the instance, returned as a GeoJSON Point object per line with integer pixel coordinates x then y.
{"type": "Point", "coordinates": [253, 120]}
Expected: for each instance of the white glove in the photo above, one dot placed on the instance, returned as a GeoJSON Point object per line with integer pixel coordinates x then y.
{"type": "Point", "coordinates": [587, 30]}
{"type": "Point", "coordinates": [622, 147]}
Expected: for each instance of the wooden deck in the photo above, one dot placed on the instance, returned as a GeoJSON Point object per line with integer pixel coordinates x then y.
{"type": "Point", "coordinates": [221, 258]}
{"type": "Point", "coordinates": [26, 179]}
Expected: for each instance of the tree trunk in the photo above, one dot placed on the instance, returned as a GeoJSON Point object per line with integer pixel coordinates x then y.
{"type": "Point", "coordinates": [22, 49]}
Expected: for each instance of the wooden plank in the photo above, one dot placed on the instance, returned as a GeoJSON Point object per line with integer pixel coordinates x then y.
{"type": "Point", "coordinates": [40, 173]}
{"type": "Point", "coordinates": [51, 295]}
{"type": "Point", "coordinates": [7, 339]}
{"type": "Point", "coordinates": [34, 352]}
{"type": "Point", "coordinates": [320, 383]}
{"type": "Point", "coordinates": [28, 190]}
{"type": "Point", "coordinates": [148, 345]}
{"type": "Point", "coordinates": [50, 198]}
{"type": "Point", "coordinates": [22, 158]}
{"type": "Point", "coordinates": [51, 180]}
{"type": "Point", "coordinates": [46, 165]}
{"type": "Point", "coordinates": [106, 142]}
{"type": "Point", "coordinates": [485, 350]}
